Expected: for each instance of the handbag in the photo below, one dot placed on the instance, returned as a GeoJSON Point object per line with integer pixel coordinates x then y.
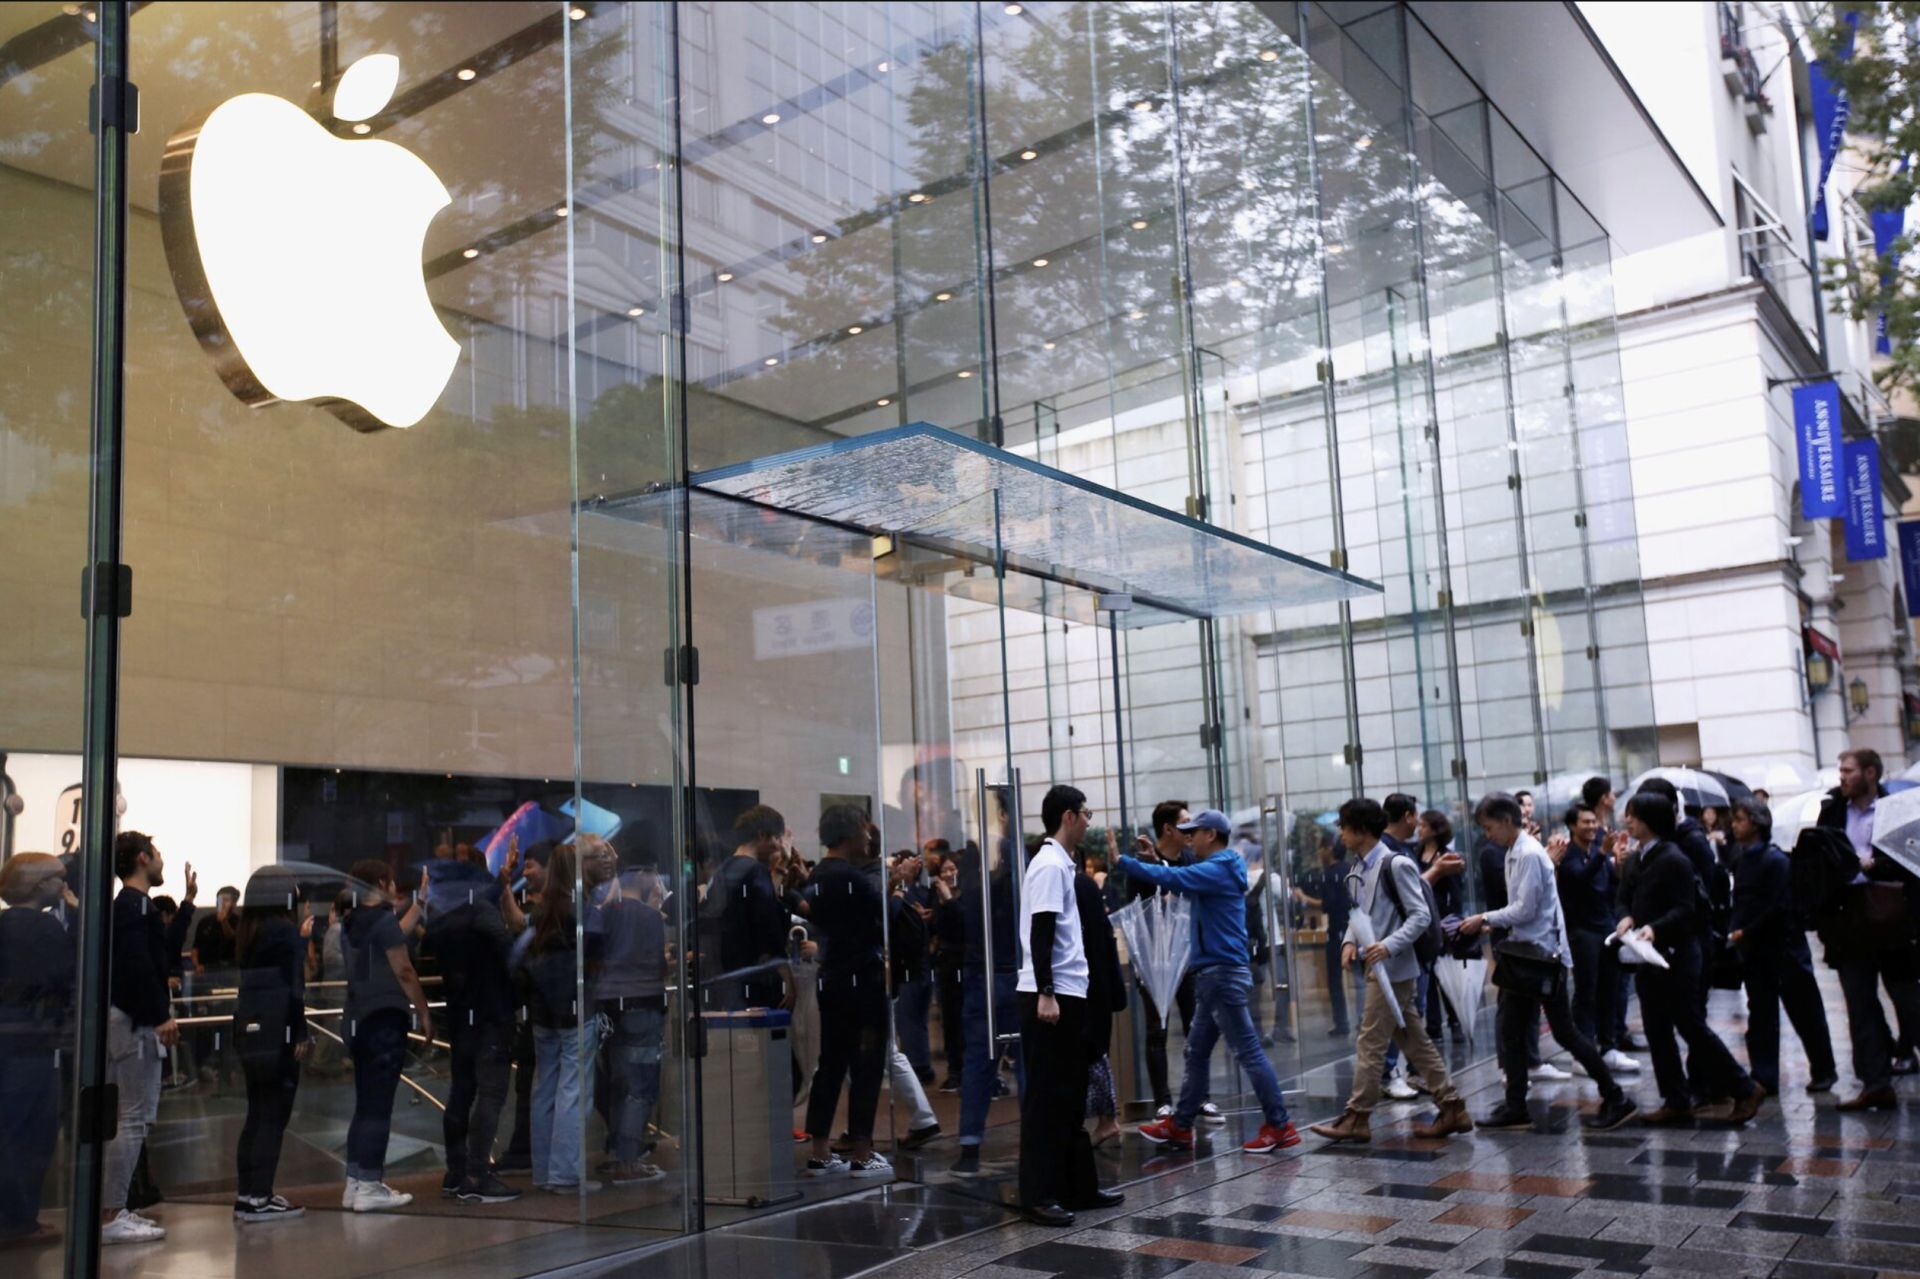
{"type": "Point", "coordinates": [1726, 967]}
{"type": "Point", "coordinates": [1524, 968]}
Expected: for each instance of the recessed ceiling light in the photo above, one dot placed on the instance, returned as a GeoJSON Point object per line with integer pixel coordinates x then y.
{"type": "Point", "coordinates": [725, 276]}
{"type": "Point", "coordinates": [469, 253]}
{"type": "Point", "coordinates": [1014, 11]}
{"type": "Point", "coordinates": [1029, 154]}
{"type": "Point", "coordinates": [1269, 55]}
{"type": "Point", "coordinates": [964, 373]}
{"type": "Point", "coordinates": [1039, 261]}
{"type": "Point", "coordinates": [576, 13]}
{"type": "Point", "coordinates": [1145, 104]}
{"type": "Point", "coordinates": [72, 10]}
{"type": "Point", "coordinates": [943, 297]}
{"type": "Point", "coordinates": [636, 312]}
{"type": "Point", "coordinates": [819, 237]}
{"type": "Point", "coordinates": [771, 117]}
{"type": "Point", "coordinates": [918, 197]}
{"type": "Point", "coordinates": [886, 66]}
{"type": "Point", "coordinates": [771, 360]}
{"type": "Point", "coordinates": [562, 211]}
{"type": "Point", "coordinates": [1335, 250]}
{"type": "Point", "coordinates": [363, 127]}
{"type": "Point", "coordinates": [465, 73]}
{"type": "Point", "coordinates": [1139, 224]}
{"type": "Point", "coordinates": [1366, 140]}
{"type": "Point", "coordinates": [1046, 346]}
{"type": "Point", "coordinates": [1136, 314]}
{"type": "Point", "coordinates": [855, 330]}
{"type": "Point", "coordinates": [883, 401]}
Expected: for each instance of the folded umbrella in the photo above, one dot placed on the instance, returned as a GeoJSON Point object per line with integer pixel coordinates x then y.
{"type": "Point", "coordinates": [1158, 930]}
{"type": "Point", "coordinates": [1363, 937]}
{"type": "Point", "coordinates": [1896, 828]}
{"type": "Point", "coordinates": [1464, 983]}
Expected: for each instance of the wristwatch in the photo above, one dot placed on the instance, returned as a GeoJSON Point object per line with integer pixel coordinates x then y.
{"type": "Point", "coordinates": [1047, 989]}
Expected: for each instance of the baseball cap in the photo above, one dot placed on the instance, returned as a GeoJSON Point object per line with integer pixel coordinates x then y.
{"type": "Point", "coordinates": [1208, 819]}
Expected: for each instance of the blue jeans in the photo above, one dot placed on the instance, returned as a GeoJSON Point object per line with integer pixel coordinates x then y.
{"type": "Point", "coordinates": [562, 1080]}
{"type": "Point", "coordinates": [378, 1045]}
{"type": "Point", "coordinates": [29, 1127]}
{"type": "Point", "coordinates": [911, 1007]}
{"type": "Point", "coordinates": [633, 1056]}
{"type": "Point", "coordinates": [976, 1081]}
{"type": "Point", "coordinates": [1220, 1010]}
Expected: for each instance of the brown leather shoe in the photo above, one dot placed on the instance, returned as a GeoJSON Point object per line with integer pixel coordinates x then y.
{"type": "Point", "coordinates": [1667, 1117]}
{"type": "Point", "coordinates": [1873, 1099]}
{"type": "Point", "coordinates": [1748, 1106]}
{"type": "Point", "coordinates": [1453, 1118]}
{"type": "Point", "coordinates": [1352, 1126]}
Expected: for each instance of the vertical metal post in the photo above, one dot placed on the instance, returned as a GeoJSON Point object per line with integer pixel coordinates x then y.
{"type": "Point", "coordinates": [986, 898]}
{"type": "Point", "coordinates": [1113, 610]}
{"type": "Point", "coordinates": [95, 1107]}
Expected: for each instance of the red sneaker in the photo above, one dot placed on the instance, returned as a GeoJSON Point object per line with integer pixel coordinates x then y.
{"type": "Point", "coordinates": [1164, 1132]}
{"type": "Point", "coordinates": [801, 1138]}
{"type": "Point", "coordinates": [1272, 1138]}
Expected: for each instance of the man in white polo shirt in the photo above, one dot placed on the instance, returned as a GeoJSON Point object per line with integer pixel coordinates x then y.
{"type": "Point", "coordinates": [1056, 1159]}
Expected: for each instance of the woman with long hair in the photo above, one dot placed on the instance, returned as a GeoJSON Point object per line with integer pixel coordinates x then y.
{"type": "Point", "coordinates": [270, 1036]}
{"type": "Point", "coordinates": [564, 1043]}
{"type": "Point", "coordinates": [1664, 901]}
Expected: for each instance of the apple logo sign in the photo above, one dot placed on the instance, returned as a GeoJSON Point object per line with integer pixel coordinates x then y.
{"type": "Point", "coordinates": [296, 254]}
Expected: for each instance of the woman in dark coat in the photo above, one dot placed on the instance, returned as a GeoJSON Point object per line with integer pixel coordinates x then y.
{"type": "Point", "coordinates": [36, 998]}
{"type": "Point", "coordinates": [1662, 898]}
{"type": "Point", "coordinates": [1106, 995]}
{"type": "Point", "coordinates": [270, 1034]}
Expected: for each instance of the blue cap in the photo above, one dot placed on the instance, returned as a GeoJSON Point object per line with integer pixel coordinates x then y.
{"type": "Point", "coordinates": [1208, 819]}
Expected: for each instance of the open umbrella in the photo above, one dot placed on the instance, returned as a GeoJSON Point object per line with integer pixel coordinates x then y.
{"type": "Point", "coordinates": [1794, 814]}
{"type": "Point", "coordinates": [1464, 983]}
{"type": "Point", "coordinates": [1896, 828]}
{"type": "Point", "coordinates": [1557, 794]}
{"type": "Point", "coordinates": [1911, 773]}
{"type": "Point", "coordinates": [1158, 930]}
{"type": "Point", "coordinates": [1697, 789]}
{"type": "Point", "coordinates": [1735, 788]}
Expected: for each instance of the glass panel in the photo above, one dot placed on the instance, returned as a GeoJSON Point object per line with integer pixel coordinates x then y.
{"type": "Point", "coordinates": [46, 249]}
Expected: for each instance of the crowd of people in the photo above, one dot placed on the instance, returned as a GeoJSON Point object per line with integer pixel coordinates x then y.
{"type": "Point", "coordinates": [1579, 915]}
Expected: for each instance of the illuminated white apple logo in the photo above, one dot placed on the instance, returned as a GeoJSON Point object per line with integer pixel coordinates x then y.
{"type": "Point", "coordinates": [297, 254]}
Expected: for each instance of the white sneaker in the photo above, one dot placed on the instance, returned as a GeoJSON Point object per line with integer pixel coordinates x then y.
{"type": "Point", "coordinates": [1621, 1064]}
{"type": "Point", "coordinates": [1210, 1114]}
{"type": "Point", "coordinates": [1400, 1090]}
{"type": "Point", "coordinates": [351, 1195]}
{"type": "Point", "coordinates": [127, 1227]}
{"type": "Point", "coordinates": [874, 1165]}
{"type": "Point", "coordinates": [1548, 1073]}
{"type": "Point", "coordinates": [1163, 1112]}
{"type": "Point", "coordinates": [378, 1196]}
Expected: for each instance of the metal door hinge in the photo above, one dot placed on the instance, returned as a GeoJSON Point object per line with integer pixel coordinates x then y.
{"type": "Point", "coordinates": [1323, 371]}
{"type": "Point", "coordinates": [1197, 506]}
{"type": "Point", "coordinates": [1351, 753]}
{"type": "Point", "coordinates": [1459, 768]}
{"type": "Point", "coordinates": [1526, 626]}
{"type": "Point", "coordinates": [106, 590]}
{"type": "Point", "coordinates": [1593, 652]}
{"type": "Point", "coordinates": [1338, 559]}
{"type": "Point", "coordinates": [1444, 599]}
{"type": "Point", "coordinates": [119, 108]}
{"type": "Point", "coordinates": [682, 665]}
{"type": "Point", "coordinates": [1579, 519]}
{"type": "Point", "coordinates": [1513, 482]}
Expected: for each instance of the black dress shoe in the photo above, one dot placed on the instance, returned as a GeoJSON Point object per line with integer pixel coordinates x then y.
{"type": "Point", "coordinates": [1047, 1214]}
{"type": "Point", "coordinates": [1822, 1083]}
{"type": "Point", "coordinates": [1102, 1199]}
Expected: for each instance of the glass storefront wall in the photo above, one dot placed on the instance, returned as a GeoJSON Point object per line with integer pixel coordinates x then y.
{"type": "Point", "coordinates": [477, 609]}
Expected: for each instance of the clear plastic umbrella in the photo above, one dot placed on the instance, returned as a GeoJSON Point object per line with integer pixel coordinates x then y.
{"type": "Point", "coordinates": [1896, 828]}
{"type": "Point", "coordinates": [1911, 773]}
{"type": "Point", "coordinates": [1464, 983]}
{"type": "Point", "coordinates": [1158, 930]}
{"type": "Point", "coordinates": [1697, 789]}
{"type": "Point", "coordinates": [1794, 814]}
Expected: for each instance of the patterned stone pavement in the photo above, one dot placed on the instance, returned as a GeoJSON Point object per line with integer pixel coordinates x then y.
{"type": "Point", "coordinates": [1803, 1191]}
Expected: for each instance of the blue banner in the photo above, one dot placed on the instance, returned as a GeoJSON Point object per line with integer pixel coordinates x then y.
{"type": "Point", "coordinates": [1866, 526]}
{"type": "Point", "coordinates": [1909, 531]}
{"type": "Point", "coordinates": [1888, 225]}
{"type": "Point", "coordinates": [1830, 112]}
{"type": "Point", "coordinates": [1816, 423]}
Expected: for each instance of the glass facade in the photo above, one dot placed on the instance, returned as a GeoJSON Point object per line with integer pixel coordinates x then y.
{"type": "Point", "coordinates": [1223, 277]}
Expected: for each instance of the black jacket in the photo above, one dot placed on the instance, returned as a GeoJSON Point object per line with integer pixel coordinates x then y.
{"type": "Point", "coordinates": [1106, 987]}
{"type": "Point", "coordinates": [140, 960]}
{"type": "Point", "coordinates": [1763, 901]}
{"type": "Point", "coordinates": [1661, 890]}
{"type": "Point", "coordinates": [269, 1013]}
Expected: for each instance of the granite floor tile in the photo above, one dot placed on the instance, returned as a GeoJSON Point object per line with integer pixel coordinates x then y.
{"type": "Point", "coordinates": [1195, 1250]}
{"type": "Point", "coordinates": [1483, 1215]}
{"type": "Point", "coordinates": [1780, 1223]}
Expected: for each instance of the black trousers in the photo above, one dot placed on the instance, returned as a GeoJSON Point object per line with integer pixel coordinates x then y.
{"type": "Point", "coordinates": [1783, 974]}
{"type": "Point", "coordinates": [853, 1042]}
{"type": "Point", "coordinates": [1670, 1005]}
{"type": "Point", "coordinates": [1056, 1158]}
{"type": "Point", "coordinates": [482, 1066]}
{"type": "Point", "coordinates": [520, 1145]}
{"type": "Point", "coordinates": [1336, 980]}
{"type": "Point", "coordinates": [1518, 1018]}
{"type": "Point", "coordinates": [950, 990]}
{"type": "Point", "coordinates": [272, 1080]}
{"type": "Point", "coordinates": [1157, 1027]}
{"type": "Point", "coordinates": [1596, 985]}
{"type": "Point", "coordinates": [1873, 1042]}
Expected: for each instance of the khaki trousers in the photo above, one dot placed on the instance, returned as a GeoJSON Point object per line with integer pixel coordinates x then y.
{"type": "Point", "coordinates": [1377, 1031]}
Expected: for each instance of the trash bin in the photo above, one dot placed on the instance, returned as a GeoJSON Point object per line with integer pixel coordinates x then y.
{"type": "Point", "coordinates": [746, 1104]}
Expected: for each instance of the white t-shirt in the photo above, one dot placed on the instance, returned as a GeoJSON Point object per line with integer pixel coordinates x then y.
{"type": "Point", "coordinates": [1048, 887]}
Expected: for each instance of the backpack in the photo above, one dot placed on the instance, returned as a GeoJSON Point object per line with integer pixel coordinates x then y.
{"type": "Point", "coordinates": [1819, 868]}
{"type": "Point", "coordinates": [1428, 946]}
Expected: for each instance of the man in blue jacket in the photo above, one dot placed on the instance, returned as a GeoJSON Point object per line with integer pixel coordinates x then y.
{"type": "Point", "coordinates": [1216, 881]}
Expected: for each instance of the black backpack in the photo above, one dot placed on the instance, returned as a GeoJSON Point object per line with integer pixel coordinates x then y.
{"type": "Point", "coordinates": [1428, 946]}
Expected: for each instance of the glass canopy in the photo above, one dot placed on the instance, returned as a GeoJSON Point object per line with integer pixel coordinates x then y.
{"type": "Point", "coordinates": [928, 486]}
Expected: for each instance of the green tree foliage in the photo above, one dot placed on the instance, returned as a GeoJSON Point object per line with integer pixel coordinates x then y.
{"type": "Point", "coordinates": [1882, 82]}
